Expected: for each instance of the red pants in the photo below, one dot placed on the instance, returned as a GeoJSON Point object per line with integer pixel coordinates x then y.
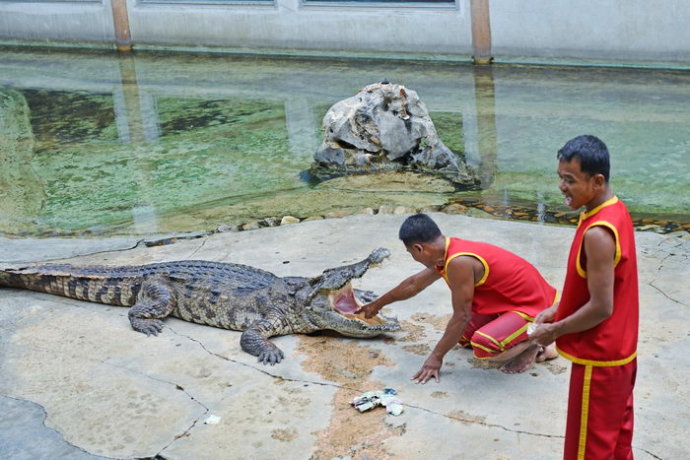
{"type": "Point", "coordinates": [491, 335]}
{"type": "Point", "coordinates": [600, 412]}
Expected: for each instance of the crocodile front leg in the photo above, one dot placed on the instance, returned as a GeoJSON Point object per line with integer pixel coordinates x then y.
{"type": "Point", "coordinates": [155, 301]}
{"type": "Point", "coordinates": [254, 339]}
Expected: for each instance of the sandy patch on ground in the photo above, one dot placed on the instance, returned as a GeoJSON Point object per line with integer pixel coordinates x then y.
{"type": "Point", "coordinates": [349, 363]}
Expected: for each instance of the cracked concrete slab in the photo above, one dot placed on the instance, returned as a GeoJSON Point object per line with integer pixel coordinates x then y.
{"type": "Point", "coordinates": [22, 251]}
{"type": "Point", "coordinates": [23, 421]}
{"type": "Point", "coordinates": [77, 382]}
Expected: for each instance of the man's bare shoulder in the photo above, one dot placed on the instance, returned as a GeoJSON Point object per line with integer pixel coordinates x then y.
{"type": "Point", "coordinates": [465, 269]}
{"type": "Point", "coordinates": [599, 243]}
{"type": "Point", "coordinates": [599, 236]}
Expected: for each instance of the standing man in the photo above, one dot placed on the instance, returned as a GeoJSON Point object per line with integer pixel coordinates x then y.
{"type": "Point", "coordinates": [495, 296]}
{"type": "Point", "coordinates": [595, 324]}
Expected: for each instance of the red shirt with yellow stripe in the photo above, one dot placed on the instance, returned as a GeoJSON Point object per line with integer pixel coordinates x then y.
{"type": "Point", "coordinates": [613, 342]}
{"type": "Point", "coordinates": [510, 283]}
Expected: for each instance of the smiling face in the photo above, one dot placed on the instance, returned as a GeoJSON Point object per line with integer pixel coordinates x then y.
{"type": "Point", "coordinates": [580, 188]}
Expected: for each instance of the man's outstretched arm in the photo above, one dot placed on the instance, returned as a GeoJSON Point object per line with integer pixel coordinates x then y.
{"type": "Point", "coordinates": [409, 287]}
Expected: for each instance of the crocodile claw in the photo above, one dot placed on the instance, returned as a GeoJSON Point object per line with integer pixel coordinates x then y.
{"type": "Point", "coordinates": [271, 357]}
{"type": "Point", "coordinates": [147, 326]}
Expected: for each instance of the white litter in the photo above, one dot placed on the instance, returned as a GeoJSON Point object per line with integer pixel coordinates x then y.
{"type": "Point", "coordinates": [212, 420]}
{"type": "Point", "coordinates": [385, 398]}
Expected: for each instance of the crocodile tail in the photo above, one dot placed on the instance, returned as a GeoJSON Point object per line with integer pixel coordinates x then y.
{"type": "Point", "coordinates": [32, 281]}
{"type": "Point", "coordinates": [10, 279]}
{"type": "Point", "coordinates": [59, 280]}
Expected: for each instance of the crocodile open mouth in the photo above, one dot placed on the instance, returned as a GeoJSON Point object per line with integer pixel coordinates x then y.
{"type": "Point", "coordinates": [346, 303]}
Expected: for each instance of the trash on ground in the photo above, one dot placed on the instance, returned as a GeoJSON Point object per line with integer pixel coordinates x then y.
{"type": "Point", "coordinates": [212, 420]}
{"type": "Point", "coordinates": [385, 398]}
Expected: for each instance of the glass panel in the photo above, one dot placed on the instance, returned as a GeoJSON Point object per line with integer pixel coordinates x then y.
{"type": "Point", "coordinates": [381, 1]}
{"type": "Point", "coordinates": [93, 143]}
{"type": "Point", "coordinates": [207, 2]}
{"type": "Point", "coordinates": [51, 1]}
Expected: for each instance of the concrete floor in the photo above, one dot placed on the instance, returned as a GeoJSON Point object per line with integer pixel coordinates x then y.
{"type": "Point", "coordinates": [77, 382]}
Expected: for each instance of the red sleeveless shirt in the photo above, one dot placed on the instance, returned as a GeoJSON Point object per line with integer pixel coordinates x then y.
{"type": "Point", "coordinates": [613, 342]}
{"type": "Point", "coordinates": [510, 283]}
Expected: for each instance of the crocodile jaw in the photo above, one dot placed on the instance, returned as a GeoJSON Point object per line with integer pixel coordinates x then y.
{"type": "Point", "coordinates": [346, 303]}
{"type": "Point", "coordinates": [343, 319]}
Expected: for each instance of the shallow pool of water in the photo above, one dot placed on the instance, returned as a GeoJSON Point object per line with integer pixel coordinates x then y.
{"type": "Point", "coordinates": [96, 143]}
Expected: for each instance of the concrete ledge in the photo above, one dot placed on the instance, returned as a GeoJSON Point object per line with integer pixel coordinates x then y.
{"type": "Point", "coordinates": [109, 391]}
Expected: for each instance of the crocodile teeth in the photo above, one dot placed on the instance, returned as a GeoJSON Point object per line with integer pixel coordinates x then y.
{"type": "Point", "coordinates": [344, 302]}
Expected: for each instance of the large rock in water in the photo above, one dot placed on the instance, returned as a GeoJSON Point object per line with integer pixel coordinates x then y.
{"type": "Point", "coordinates": [385, 127]}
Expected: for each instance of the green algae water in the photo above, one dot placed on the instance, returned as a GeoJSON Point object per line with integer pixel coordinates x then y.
{"type": "Point", "coordinates": [94, 143]}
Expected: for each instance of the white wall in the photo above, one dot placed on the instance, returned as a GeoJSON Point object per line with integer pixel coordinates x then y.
{"type": "Point", "coordinates": [623, 30]}
{"type": "Point", "coordinates": [292, 24]}
{"type": "Point", "coordinates": [607, 29]}
{"type": "Point", "coordinates": [56, 21]}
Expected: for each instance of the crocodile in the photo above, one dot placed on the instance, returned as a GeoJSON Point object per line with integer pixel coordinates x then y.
{"type": "Point", "coordinates": [225, 295]}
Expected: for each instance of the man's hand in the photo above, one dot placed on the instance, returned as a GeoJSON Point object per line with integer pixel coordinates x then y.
{"type": "Point", "coordinates": [546, 316]}
{"type": "Point", "coordinates": [544, 333]}
{"type": "Point", "coordinates": [370, 310]}
{"type": "Point", "coordinates": [430, 369]}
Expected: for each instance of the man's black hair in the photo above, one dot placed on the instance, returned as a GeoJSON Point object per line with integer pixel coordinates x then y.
{"type": "Point", "coordinates": [418, 228]}
{"type": "Point", "coordinates": [590, 151]}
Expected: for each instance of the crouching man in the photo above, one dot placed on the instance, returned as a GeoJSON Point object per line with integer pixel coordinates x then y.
{"type": "Point", "coordinates": [495, 295]}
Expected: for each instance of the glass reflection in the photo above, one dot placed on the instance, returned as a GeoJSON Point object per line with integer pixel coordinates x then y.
{"type": "Point", "coordinates": [93, 143]}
